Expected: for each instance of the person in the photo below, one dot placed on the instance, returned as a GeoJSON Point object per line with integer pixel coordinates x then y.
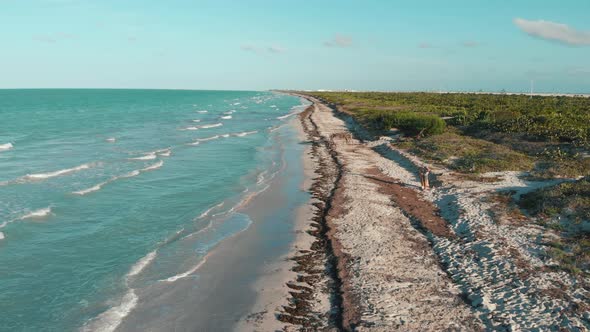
{"type": "Point", "coordinates": [424, 173]}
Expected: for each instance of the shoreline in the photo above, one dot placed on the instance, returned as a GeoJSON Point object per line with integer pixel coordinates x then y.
{"type": "Point", "coordinates": [429, 260]}
{"type": "Point", "coordinates": [224, 289]}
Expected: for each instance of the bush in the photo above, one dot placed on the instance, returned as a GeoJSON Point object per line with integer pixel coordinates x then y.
{"type": "Point", "coordinates": [411, 122]}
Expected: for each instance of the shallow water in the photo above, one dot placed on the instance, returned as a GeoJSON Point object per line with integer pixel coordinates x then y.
{"type": "Point", "coordinates": [104, 193]}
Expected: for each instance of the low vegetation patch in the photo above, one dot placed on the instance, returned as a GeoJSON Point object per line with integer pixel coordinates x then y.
{"type": "Point", "coordinates": [470, 155]}
{"type": "Point", "coordinates": [570, 200]}
{"type": "Point", "coordinates": [410, 122]}
{"type": "Point", "coordinates": [565, 208]}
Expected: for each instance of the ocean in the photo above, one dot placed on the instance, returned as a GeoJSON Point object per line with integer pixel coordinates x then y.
{"type": "Point", "coordinates": [106, 194]}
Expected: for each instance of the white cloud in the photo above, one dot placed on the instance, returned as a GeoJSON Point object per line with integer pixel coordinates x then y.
{"type": "Point", "coordinates": [339, 41]}
{"type": "Point", "coordinates": [553, 31]}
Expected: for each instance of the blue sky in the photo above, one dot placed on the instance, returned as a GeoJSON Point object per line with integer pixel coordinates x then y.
{"type": "Point", "coordinates": [263, 44]}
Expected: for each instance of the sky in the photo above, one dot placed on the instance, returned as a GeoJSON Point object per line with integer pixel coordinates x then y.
{"type": "Point", "coordinates": [387, 45]}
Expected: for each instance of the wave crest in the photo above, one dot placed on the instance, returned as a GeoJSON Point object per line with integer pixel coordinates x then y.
{"type": "Point", "coordinates": [43, 176]}
{"type": "Point", "coordinates": [5, 147]}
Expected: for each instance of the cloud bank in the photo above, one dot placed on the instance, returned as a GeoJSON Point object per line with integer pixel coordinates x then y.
{"type": "Point", "coordinates": [553, 31]}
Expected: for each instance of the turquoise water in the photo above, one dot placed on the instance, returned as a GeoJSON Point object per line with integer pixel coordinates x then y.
{"type": "Point", "coordinates": [106, 191]}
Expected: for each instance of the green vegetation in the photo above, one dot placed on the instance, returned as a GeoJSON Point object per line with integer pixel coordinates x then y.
{"type": "Point", "coordinates": [468, 155]}
{"type": "Point", "coordinates": [568, 199]}
{"type": "Point", "coordinates": [547, 118]}
{"type": "Point", "coordinates": [481, 132]}
{"type": "Point", "coordinates": [572, 256]}
{"type": "Point", "coordinates": [477, 133]}
{"type": "Point", "coordinates": [415, 123]}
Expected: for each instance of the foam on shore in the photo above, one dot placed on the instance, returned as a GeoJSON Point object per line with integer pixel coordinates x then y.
{"type": "Point", "coordinates": [206, 212]}
{"type": "Point", "coordinates": [286, 115]}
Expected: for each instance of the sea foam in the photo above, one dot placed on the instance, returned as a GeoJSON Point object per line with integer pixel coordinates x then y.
{"type": "Point", "coordinates": [245, 133]}
{"type": "Point", "coordinates": [115, 178]}
{"type": "Point", "coordinates": [142, 264]}
{"type": "Point", "coordinates": [211, 126]}
{"type": "Point", "coordinates": [38, 214]}
{"type": "Point", "coordinates": [286, 115]}
{"type": "Point", "coordinates": [5, 147]}
{"type": "Point", "coordinates": [147, 156]}
{"type": "Point", "coordinates": [206, 212]}
{"type": "Point", "coordinates": [43, 176]}
{"type": "Point", "coordinates": [207, 138]}
{"type": "Point", "coordinates": [153, 167]}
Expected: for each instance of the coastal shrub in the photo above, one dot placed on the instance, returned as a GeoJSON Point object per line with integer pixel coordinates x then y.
{"type": "Point", "coordinates": [469, 155]}
{"type": "Point", "coordinates": [552, 118]}
{"type": "Point", "coordinates": [571, 199]}
{"type": "Point", "coordinates": [414, 123]}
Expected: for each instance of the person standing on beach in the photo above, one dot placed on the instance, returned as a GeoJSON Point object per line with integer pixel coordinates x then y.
{"type": "Point", "coordinates": [424, 173]}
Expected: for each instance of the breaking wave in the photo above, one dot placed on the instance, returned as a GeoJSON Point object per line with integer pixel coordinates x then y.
{"type": "Point", "coordinates": [5, 147]}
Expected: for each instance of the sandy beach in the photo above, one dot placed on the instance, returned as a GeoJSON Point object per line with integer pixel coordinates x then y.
{"type": "Point", "coordinates": [382, 255]}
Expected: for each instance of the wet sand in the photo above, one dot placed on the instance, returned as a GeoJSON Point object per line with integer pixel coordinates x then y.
{"type": "Point", "coordinates": [223, 291]}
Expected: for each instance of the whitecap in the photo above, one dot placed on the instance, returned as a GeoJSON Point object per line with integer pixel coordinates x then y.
{"type": "Point", "coordinates": [111, 140]}
{"type": "Point", "coordinates": [194, 143]}
{"type": "Point", "coordinates": [38, 214]}
{"type": "Point", "coordinates": [211, 126]}
{"type": "Point", "coordinates": [206, 213]}
{"type": "Point", "coordinates": [164, 152]}
{"type": "Point", "coordinates": [154, 166]}
{"type": "Point", "coordinates": [109, 320]}
{"type": "Point", "coordinates": [191, 128]}
{"type": "Point", "coordinates": [128, 175]}
{"type": "Point", "coordinates": [273, 106]}
{"type": "Point", "coordinates": [196, 120]}
{"type": "Point", "coordinates": [147, 156]}
{"type": "Point", "coordinates": [202, 112]}
{"type": "Point", "coordinates": [2, 237]}
{"type": "Point", "coordinates": [229, 112]}
{"type": "Point", "coordinates": [43, 176]}
{"type": "Point", "coordinates": [226, 117]}
{"type": "Point", "coordinates": [141, 264]}
{"type": "Point", "coordinates": [115, 178]}
{"type": "Point", "coordinates": [286, 115]}
{"type": "Point", "coordinates": [5, 147]}
{"type": "Point", "coordinates": [245, 133]}
{"type": "Point", "coordinates": [90, 190]}
{"type": "Point", "coordinates": [207, 139]}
